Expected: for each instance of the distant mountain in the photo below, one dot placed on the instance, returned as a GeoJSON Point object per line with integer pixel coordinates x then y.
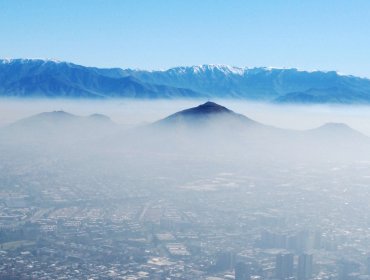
{"type": "Point", "coordinates": [266, 84]}
{"type": "Point", "coordinates": [337, 94]}
{"type": "Point", "coordinates": [59, 126]}
{"type": "Point", "coordinates": [202, 130]}
{"type": "Point", "coordinates": [212, 128]}
{"type": "Point", "coordinates": [46, 78]}
{"type": "Point", "coordinates": [337, 132]}
{"type": "Point", "coordinates": [51, 79]}
{"type": "Point", "coordinates": [55, 118]}
{"type": "Point", "coordinates": [207, 113]}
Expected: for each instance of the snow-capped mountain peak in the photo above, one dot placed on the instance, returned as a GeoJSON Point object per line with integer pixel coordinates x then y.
{"type": "Point", "coordinates": [31, 60]}
{"type": "Point", "coordinates": [208, 68]}
{"type": "Point", "coordinates": [52, 78]}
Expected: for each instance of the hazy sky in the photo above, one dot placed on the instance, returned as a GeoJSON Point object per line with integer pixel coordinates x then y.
{"type": "Point", "coordinates": [154, 34]}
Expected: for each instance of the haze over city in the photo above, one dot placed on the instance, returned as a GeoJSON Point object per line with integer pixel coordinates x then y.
{"type": "Point", "coordinates": [184, 140]}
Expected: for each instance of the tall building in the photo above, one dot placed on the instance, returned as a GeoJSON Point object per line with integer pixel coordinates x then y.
{"type": "Point", "coordinates": [284, 266]}
{"type": "Point", "coordinates": [225, 260]}
{"type": "Point", "coordinates": [242, 271]}
{"type": "Point", "coordinates": [298, 242]}
{"type": "Point", "coordinates": [305, 267]}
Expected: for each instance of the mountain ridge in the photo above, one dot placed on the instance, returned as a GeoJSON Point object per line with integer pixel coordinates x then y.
{"type": "Point", "coordinates": [27, 78]}
{"type": "Point", "coordinates": [40, 78]}
{"type": "Point", "coordinates": [206, 127]}
{"type": "Point", "coordinates": [203, 113]}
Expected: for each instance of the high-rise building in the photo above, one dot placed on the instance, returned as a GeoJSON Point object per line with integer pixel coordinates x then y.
{"type": "Point", "coordinates": [305, 266]}
{"type": "Point", "coordinates": [284, 266]}
{"type": "Point", "coordinates": [242, 271]}
{"type": "Point", "coordinates": [225, 260]}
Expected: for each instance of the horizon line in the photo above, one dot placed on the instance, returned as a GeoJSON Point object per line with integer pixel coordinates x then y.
{"type": "Point", "coordinates": [231, 67]}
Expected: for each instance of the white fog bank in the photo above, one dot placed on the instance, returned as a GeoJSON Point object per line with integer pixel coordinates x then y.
{"type": "Point", "coordinates": [133, 112]}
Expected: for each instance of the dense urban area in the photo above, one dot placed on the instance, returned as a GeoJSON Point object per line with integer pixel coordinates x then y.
{"type": "Point", "coordinates": [258, 221]}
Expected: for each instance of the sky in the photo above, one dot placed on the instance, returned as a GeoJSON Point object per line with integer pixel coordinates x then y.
{"type": "Point", "coordinates": [159, 34]}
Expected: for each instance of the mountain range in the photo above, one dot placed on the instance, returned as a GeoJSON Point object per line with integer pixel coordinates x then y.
{"type": "Point", "coordinates": [207, 125]}
{"type": "Point", "coordinates": [52, 79]}
{"type": "Point", "coordinates": [46, 78]}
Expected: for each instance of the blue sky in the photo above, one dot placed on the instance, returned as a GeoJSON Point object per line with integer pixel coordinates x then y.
{"type": "Point", "coordinates": [157, 34]}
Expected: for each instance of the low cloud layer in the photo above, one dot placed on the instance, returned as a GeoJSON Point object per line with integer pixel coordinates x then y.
{"type": "Point", "coordinates": [131, 113]}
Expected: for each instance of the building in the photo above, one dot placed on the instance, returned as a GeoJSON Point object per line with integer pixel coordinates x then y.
{"type": "Point", "coordinates": [305, 266]}
{"type": "Point", "coordinates": [284, 266]}
{"type": "Point", "coordinates": [242, 271]}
